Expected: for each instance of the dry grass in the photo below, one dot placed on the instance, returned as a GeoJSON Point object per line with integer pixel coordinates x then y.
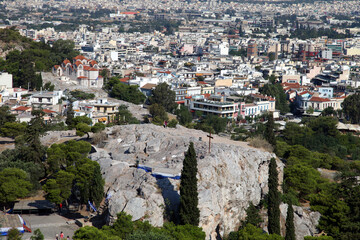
{"type": "Point", "coordinates": [99, 138]}
{"type": "Point", "coordinates": [259, 142]}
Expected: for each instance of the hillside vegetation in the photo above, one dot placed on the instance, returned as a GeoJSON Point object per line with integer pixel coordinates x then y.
{"type": "Point", "coordinates": [24, 58]}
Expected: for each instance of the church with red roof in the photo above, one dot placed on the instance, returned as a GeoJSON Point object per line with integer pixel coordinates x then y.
{"type": "Point", "coordinates": [82, 70]}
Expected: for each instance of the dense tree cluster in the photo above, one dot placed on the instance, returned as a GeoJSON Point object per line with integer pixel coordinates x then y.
{"type": "Point", "coordinates": [276, 91]}
{"type": "Point", "coordinates": [80, 95]}
{"type": "Point", "coordinates": [164, 96]}
{"type": "Point", "coordinates": [251, 232]}
{"type": "Point", "coordinates": [119, 90]}
{"type": "Point", "coordinates": [36, 56]}
{"type": "Point", "coordinates": [127, 93]}
{"type": "Point", "coordinates": [351, 108]}
{"type": "Point", "coordinates": [183, 115]}
{"type": "Point", "coordinates": [124, 228]}
{"type": "Point", "coordinates": [321, 134]}
{"type": "Point", "coordinates": [306, 33]}
{"type": "Point", "coordinates": [318, 144]}
{"type": "Point", "coordinates": [68, 170]}
{"type": "Point", "coordinates": [73, 172]}
{"type": "Point", "coordinates": [162, 25]}
{"type": "Point", "coordinates": [212, 123]}
{"type": "Point", "coordinates": [14, 183]}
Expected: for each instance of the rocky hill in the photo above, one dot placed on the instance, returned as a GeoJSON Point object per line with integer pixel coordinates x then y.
{"type": "Point", "coordinates": [12, 40]}
{"type": "Point", "coordinates": [229, 177]}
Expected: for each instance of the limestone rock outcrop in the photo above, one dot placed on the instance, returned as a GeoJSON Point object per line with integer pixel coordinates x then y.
{"type": "Point", "coordinates": [305, 221]}
{"type": "Point", "coordinates": [229, 177]}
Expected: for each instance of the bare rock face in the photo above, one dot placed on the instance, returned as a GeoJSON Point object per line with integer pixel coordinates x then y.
{"type": "Point", "coordinates": [305, 221]}
{"type": "Point", "coordinates": [229, 177]}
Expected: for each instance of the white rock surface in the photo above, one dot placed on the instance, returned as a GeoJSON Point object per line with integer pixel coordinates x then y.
{"type": "Point", "coordinates": [229, 177]}
{"type": "Point", "coordinates": [305, 221]}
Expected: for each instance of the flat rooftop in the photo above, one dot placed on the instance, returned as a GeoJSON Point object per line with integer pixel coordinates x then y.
{"type": "Point", "coordinates": [33, 205]}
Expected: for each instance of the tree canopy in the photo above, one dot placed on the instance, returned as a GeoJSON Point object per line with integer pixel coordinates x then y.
{"type": "Point", "coordinates": [126, 229]}
{"type": "Point", "coordinates": [127, 93]}
{"type": "Point", "coordinates": [14, 183]}
{"type": "Point", "coordinates": [276, 91]}
{"type": "Point", "coordinates": [36, 56]}
{"type": "Point", "coordinates": [351, 108]}
{"type": "Point", "coordinates": [164, 96]}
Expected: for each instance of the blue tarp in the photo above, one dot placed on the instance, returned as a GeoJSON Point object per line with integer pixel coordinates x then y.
{"type": "Point", "coordinates": [92, 206]}
{"type": "Point", "coordinates": [157, 175]}
{"type": "Point", "coordinates": [147, 169]}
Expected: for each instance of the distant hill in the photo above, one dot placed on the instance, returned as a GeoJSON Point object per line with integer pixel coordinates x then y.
{"type": "Point", "coordinates": [10, 39]}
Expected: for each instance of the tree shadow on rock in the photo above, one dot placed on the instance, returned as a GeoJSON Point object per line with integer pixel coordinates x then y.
{"type": "Point", "coordinates": [171, 199]}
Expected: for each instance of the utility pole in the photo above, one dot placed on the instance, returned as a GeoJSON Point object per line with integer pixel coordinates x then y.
{"type": "Point", "coordinates": [210, 137]}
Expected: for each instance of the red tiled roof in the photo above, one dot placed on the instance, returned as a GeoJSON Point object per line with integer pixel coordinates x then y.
{"type": "Point", "coordinates": [48, 111]}
{"type": "Point", "coordinates": [56, 66]}
{"type": "Point", "coordinates": [87, 68]}
{"type": "Point", "coordinates": [167, 72]}
{"type": "Point", "coordinates": [93, 62]}
{"type": "Point", "coordinates": [82, 77]}
{"type": "Point", "coordinates": [125, 79]}
{"type": "Point", "coordinates": [148, 86]}
{"type": "Point", "coordinates": [319, 99]}
{"type": "Point", "coordinates": [129, 13]}
{"type": "Point", "coordinates": [201, 82]}
{"type": "Point", "coordinates": [292, 85]}
{"type": "Point", "coordinates": [78, 62]}
{"type": "Point", "coordinates": [66, 61]}
{"type": "Point", "coordinates": [22, 108]}
{"type": "Point", "coordinates": [79, 57]}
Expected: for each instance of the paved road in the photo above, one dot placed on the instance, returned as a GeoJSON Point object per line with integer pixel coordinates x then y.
{"type": "Point", "coordinates": [50, 225]}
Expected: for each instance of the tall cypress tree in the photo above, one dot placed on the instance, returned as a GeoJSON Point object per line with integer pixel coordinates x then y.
{"type": "Point", "coordinates": [96, 192]}
{"type": "Point", "coordinates": [273, 199]}
{"type": "Point", "coordinates": [290, 228]}
{"type": "Point", "coordinates": [189, 212]}
{"type": "Point", "coordinates": [70, 116]}
{"type": "Point", "coordinates": [269, 134]}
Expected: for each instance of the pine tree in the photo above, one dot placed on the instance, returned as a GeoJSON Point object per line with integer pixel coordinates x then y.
{"type": "Point", "coordinates": [269, 130]}
{"type": "Point", "coordinates": [273, 199]}
{"type": "Point", "coordinates": [30, 147]}
{"type": "Point", "coordinates": [290, 228]}
{"type": "Point", "coordinates": [189, 212]}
